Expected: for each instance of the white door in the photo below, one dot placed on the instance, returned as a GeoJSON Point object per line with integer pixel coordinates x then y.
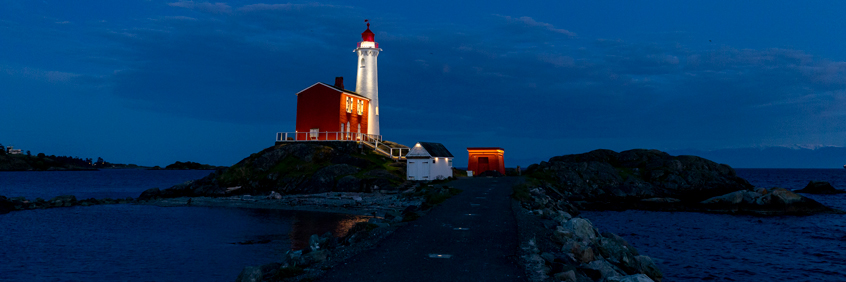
{"type": "Point", "coordinates": [411, 170]}
{"type": "Point", "coordinates": [424, 170]}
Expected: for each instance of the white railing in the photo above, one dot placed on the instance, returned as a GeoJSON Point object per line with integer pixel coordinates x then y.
{"type": "Point", "coordinates": [327, 136]}
{"type": "Point", "coordinates": [399, 152]}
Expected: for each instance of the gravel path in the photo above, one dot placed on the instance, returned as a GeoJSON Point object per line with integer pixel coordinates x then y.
{"type": "Point", "coordinates": [470, 237]}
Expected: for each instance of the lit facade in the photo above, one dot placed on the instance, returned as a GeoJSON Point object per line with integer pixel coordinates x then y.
{"type": "Point", "coordinates": [326, 112]}
{"type": "Point", "coordinates": [481, 159]}
{"type": "Point", "coordinates": [367, 78]}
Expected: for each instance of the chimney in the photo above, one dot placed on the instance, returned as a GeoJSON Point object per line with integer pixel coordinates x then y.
{"type": "Point", "coordinates": [339, 82]}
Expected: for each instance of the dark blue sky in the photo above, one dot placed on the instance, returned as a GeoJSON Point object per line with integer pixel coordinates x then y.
{"type": "Point", "coordinates": [153, 82]}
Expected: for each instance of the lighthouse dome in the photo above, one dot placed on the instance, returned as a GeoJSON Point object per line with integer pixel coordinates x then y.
{"type": "Point", "coordinates": [368, 35]}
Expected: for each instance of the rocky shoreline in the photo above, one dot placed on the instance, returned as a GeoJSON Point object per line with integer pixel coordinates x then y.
{"type": "Point", "coordinates": [20, 203]}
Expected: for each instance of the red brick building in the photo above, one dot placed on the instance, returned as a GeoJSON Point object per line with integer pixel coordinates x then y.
{"type": "Point", "coordinates": [482, 159]}
{"type": "Point", "coordinates": [330, 112]}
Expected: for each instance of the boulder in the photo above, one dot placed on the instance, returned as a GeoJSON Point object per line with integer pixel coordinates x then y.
{"type": "Point", "coordinates": [732, 198]}
{"type": "Point", "coordinates": [631, 278]}
{"type": "Point", "coordinates": [582, 229]}
{"type": "Point", "coordinates": [566, 276]}
{"type": "Point", "coordinates": [599, 270]}
{"type": "Point", "coordinates": [250, 274]}
{"type": "Point", "coordinates": [819, 187]}
{"type": "Point", "coordinates": [274, 195]}
{"type": "Point", "coordinates": [150, 194]}
{"type": "Point", "coordinates": [313, 257]}
{"type": "Point", "coordinates": [646, 266]}
{"type": "Point", "coordinates": [616, 250]}
{"type": "Point", "coordinates": [781, 196]}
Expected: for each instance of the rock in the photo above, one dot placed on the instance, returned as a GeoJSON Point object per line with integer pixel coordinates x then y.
{"type": "Point", "coordinates": [600, 269]}
{"type": "Point", "coordinates": [350, 183]}
{"type": "Point", "coordinates": [646, 266]}
{"type": "Point", "coordinates": [582, 229]}
{"type": "Point", "coordinates": [314, 257]}
{"type": "Point", "coordinates": [150, 194]}
{"type": "Point", "coordinates": [562, 235]}
{"type": "Point", "coordinates": [291, 258]}
{"type": "Point", "coordinates": [581, 252]}
{"type": "Point", "coordinates": [783, 196]}
{"type": "Point", "coordinates": [567, 276]}
{"type": "Point", "coordinates": [324, 179]}
{"type": "Point", "coordinates": [616, 250]}
{"type": "Point", "coordinates": [274, 195]}
{"type": "Point", "coordinates": [819, 187]}
{"type": "Point", "coordinates": [605, 175]}
{"type": "Point", "coordinates": [631, 278]}
{"type": "Point", "coordinates": [63, 201]}
{"type": "Point", "coordinates": [250, 274]}
{"type": "Point", "coordinates": [732, 198]}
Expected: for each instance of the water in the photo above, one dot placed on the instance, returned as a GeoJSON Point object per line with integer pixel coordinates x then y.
{"type": "Point", "coordinates": [107, 183]}
{"type": "Point", "coordinates": [138, 242]}
{"type": "Point", "coordinates": [716, 247]}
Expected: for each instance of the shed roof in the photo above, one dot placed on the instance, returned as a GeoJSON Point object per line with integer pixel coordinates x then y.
{"type": "Point", "coordinates": [485, 148]}
{"type": "Point", "coordinates": [336, 89]}
{"type": "Point", "coordinates": [436, 149]}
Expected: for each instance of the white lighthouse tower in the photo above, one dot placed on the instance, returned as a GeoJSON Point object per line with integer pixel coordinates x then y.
{"type": "Point", "coordinates": [367, 79]}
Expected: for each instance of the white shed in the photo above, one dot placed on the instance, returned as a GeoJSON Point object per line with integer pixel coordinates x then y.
{"type": "Point", "coordinates": [429, 161]}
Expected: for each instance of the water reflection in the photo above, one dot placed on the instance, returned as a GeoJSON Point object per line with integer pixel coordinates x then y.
{"type": "Point", "coordinates": [306, 224]}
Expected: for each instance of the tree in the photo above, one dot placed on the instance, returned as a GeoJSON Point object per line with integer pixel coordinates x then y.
{"type": "Point", "coordinates": [41, 155]}
{"type": "Point", "coordinates": [28, 153]}
{"type": "Point", "coordinates": [2, 150]}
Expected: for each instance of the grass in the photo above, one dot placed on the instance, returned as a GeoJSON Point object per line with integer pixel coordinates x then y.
{"type": "Point", "coordinates": [521, 192]}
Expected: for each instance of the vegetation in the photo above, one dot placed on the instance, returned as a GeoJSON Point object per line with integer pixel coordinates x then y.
{"type": "Point", "coordinates": [190, 165]}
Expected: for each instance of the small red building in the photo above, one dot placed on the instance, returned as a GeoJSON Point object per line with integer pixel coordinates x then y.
{"type": "Point", "coordinates": [330, 112]}
{"type": "Point", "coordinates": [482, 159]}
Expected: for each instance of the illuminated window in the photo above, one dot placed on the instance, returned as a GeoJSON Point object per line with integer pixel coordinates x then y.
{"type": "Point", "coordinates": [362, 62]}
{"type": "Point", "coordinates": [360, 107]}
{"type": "Point", "coordinates": [377, 111]}
{"type": "Point", "coordinates": [349, 104]}
{"type": "Point", "coordinates": [348, 133]}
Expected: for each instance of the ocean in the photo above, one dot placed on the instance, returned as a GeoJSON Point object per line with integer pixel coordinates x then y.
{"type": "Point", "coordinates": [716, 247]}
{"type": "Point", "coordinates": [139, 242]}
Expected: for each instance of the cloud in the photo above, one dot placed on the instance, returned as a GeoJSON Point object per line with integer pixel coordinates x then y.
{"type": "Point", "coordinates": [529, 22]}
{"type": "Point", "coordinates": [521, 74]}
{"type": "Point", "coordinates": [214, 8]}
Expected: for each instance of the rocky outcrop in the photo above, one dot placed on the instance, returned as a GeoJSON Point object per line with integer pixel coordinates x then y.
{"type": "Point", "coordinates": [299, 168]}
{"type": "Point", "coordinates": [819, 187]}
{"type": "Point", "coordinates": [605, 175]}
{"type": "Point", "coordinates": [654, 180]}
{"type": "Point", "coordinates": [191, 166]}
{"type": "Point", "coordinates": [777, 201]}
{"type": "Point", "coordinates": [570, 248]}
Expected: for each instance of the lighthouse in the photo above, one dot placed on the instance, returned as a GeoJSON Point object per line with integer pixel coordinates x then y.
{"type": "Point", "coordinates": [367, 79]}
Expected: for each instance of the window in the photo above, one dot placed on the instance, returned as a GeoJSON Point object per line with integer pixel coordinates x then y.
{"type": "Point", "coordinates": [449, 162]}
{"type": "Point", "coordinates": [362, 62]}
{"type": "Point", "coordinates": [349, 104]}
{"type": "Point", "coordinates": [360, 107]}
{"type": "Point", "coordinates": [377, 111]}
{"type": "Point", "coordinates": [348, 133]}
